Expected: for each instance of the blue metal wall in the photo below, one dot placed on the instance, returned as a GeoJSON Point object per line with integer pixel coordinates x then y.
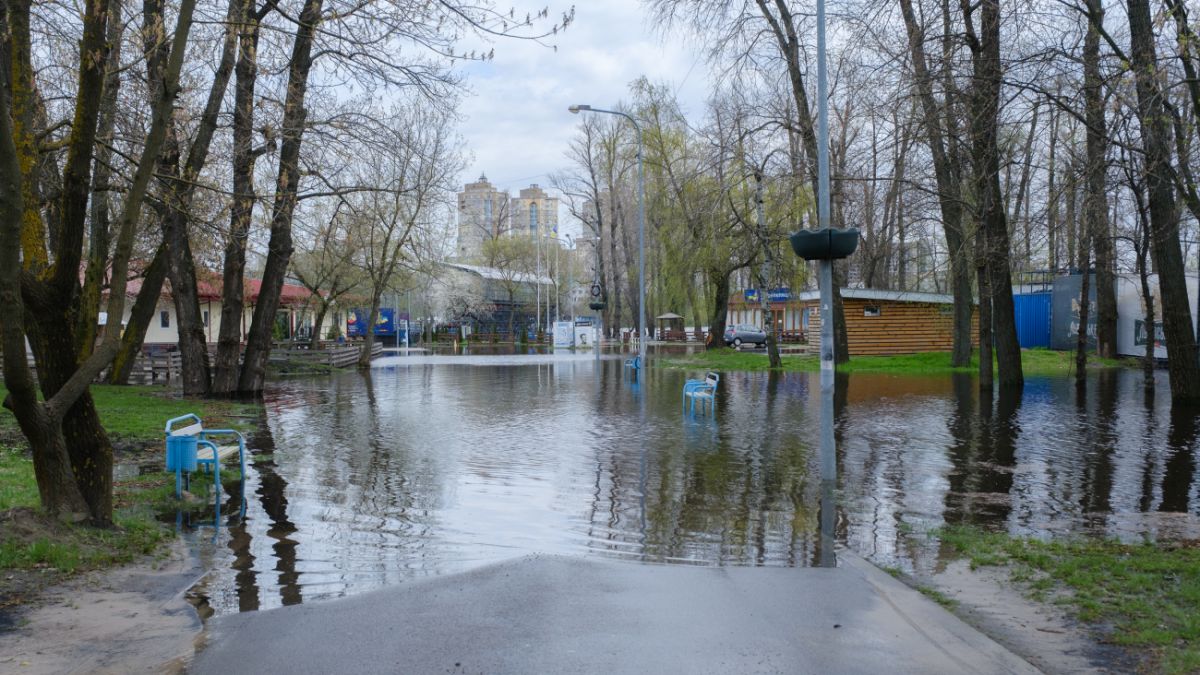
{"type": "Point", "coordinates": [1033, 319]}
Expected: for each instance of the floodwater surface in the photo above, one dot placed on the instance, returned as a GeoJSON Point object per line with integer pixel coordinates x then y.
{"type": "Point", "coordinates": [436, 464]}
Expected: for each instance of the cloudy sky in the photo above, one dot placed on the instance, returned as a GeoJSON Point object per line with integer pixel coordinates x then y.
{"type": "Point", "coordinates": [516, 123]}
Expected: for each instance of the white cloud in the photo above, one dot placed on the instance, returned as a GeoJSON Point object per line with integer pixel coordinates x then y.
{"type": "Point", "coordinates": [516, 123]}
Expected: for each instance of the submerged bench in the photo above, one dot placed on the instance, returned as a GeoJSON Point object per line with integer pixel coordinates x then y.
{"type": "Point", "coordinates": [191, 447]}
{"type": "Point", "coordinates": [704, 391]}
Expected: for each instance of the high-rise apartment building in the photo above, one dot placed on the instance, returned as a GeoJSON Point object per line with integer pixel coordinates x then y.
{"type": "Point", "coordinates": [535, 213]}
{"type": "Point", "coordinates": [483, 213]}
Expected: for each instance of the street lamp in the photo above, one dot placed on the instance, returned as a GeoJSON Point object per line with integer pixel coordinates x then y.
{"type": "Point", "coordinates": [825, 245]}
{"type": "Point", "coordinates": [575, 110]}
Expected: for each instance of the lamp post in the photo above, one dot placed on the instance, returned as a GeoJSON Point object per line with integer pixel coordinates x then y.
{"type": "Point", "coordinates": [576, 109]}
{"type": "Point", "coordinates": [825, 245]}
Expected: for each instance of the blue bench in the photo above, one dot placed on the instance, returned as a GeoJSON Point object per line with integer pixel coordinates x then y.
{"type": "Point", "coordinates": [634, 363]}
{"type": "Point", "coordinates": [191, 447]}
{"type": "Point", "coordinates": [704, 391]}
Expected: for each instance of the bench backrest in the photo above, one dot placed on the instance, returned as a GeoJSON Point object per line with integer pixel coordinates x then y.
{"type": "Point", "coordinates": [194, 429]}
{"type": "Point", "coordinates": [189, 430]}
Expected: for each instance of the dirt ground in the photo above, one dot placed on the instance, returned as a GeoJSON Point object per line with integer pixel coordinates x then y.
{"type": "Point", "coordinates": [127, 620]}
{"type": "Point", "coordinates": [1043, 633]}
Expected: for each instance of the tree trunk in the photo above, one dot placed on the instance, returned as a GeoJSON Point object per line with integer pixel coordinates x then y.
{"type": "Point", "coordinates": [985, 101]}
{"type": "Point", "coordinates": [97, 264]}
{"type": "Point", "coordinates": [279, 249]}
{"type": "Point", "coordinates": [364, 356]}
{"type": "Point", "coordinates": [949, 192]}
{"type": "Point", "coordinates": [1148, 301]}
{"type": "Point", "coordinates": [1097, 196]}
{"type": "Point", "coordinates": [985, 313]}
{"type": "Point", "coordinates": [318, 319]}
{"type": "Point", "coordinates": [720, 302]}
{"type": "Point", "coordinates": [139, 318]}
{"type": "Point", "coordinates": [179, 183]}
{"type": "Point", "coordinates": [1081, 337]}
{"type": "Point", "coordinates": [229, 339]}
{"type": "Point", "coordinates": [1164, 217]}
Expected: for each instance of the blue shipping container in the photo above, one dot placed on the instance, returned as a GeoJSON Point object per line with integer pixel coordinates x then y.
{"type": "Point", "coordinates": [1033, 319]}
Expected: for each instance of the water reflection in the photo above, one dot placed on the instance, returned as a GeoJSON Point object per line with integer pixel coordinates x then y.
{"type": "Point", "coordinates": [426, 467]}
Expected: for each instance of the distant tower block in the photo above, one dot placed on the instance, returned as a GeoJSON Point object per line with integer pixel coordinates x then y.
{"type": "Point", "coordinates": [483, 213]}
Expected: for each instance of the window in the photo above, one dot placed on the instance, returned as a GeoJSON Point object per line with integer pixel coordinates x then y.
{"type": "Point", "coordinates": [872, 310]}
{"type": "Point", "coordinates": [164, 318]}
{"type": "Point", "coordinates": [206, 318]}
{"type": "Point", "coordinates": [533, 217]}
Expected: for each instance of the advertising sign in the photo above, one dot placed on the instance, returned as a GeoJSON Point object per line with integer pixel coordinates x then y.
{"type": "Point", "coordinates": [773, 295]}
{"type": "Point", "coordinates": [1140, 337]}
{"type": "Point", "coordinates": [385, 324]}
{"type": "Point", "coordinates": [564, 334]}
{"type": "Point", "coordinates": [1064, 312]}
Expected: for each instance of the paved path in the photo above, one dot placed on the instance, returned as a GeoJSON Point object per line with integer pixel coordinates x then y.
{"type": "Point", "coordinates": [582, 615]}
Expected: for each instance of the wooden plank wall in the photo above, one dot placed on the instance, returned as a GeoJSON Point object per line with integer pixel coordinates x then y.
{"type": "Point", "coordinates": [900, 328]}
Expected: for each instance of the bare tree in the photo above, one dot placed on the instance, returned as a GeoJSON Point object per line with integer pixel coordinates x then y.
{"type": "Point", "coordinates": [414, 174]}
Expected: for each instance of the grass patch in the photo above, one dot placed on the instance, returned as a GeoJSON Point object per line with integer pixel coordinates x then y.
{"type": "Point", "coordinates": [1148, 593]}
{"type": "Point", "coordinates": [1033, 362]}
{"type": "Point", "coordinates": [136, 414]}
{"type": "Point", "coordinates": [17, 484]}
{"type": "Point", "coordinates": [36, 550]}
{"type": "Point", "coordinates": [937, 596]}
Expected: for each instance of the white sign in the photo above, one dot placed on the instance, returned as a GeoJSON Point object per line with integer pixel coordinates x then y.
{"type": "Point", "coordinates": [564, 334]}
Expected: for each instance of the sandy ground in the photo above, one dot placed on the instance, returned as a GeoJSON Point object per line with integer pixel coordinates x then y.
{"type": "Point", "coordinates": [1043, 633]}
{"type": "Point", "coordinates": [134, 619]}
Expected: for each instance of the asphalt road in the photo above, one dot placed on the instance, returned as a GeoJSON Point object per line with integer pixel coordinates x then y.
{"type": "Point", "coordinates": [547, 614]}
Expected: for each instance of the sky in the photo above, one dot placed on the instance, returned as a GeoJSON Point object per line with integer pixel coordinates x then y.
{"type": "Point", "coordinates": [516, 125]}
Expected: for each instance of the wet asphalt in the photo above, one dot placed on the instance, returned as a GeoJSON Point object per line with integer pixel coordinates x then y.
{"type": "Point", "coordinates": [563, 614]}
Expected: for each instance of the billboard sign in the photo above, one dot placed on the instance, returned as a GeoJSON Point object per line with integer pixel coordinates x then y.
{"type": "Point", "coordinates": [385, 323]}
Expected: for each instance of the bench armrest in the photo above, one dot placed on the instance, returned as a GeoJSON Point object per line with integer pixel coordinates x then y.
{"type": "Point", "coordinates": [174, 420]}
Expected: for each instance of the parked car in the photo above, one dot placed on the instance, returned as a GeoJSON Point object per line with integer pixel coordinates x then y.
{"type": "Point", "coordinates": [741, 333]}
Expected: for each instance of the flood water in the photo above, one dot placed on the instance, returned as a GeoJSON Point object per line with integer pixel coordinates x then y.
{"type": "Point", "coordinates": [436, 464]}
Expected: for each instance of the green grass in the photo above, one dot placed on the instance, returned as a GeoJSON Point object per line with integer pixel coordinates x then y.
{"type": "Point", "coordinates": [1033, 362]}
{"type": "Point", "coordinates": [1148, 593]}
{"type": "Point", "coordinates": [33, 543]}
{"type": "Point", "coordinates": [17, 484]}
{"type": "Point", "coordinates": [138, 413]}
{"type": "Point", "coordinates": [36, 550]}
{"type": "Point", "coordinates": [81, 548]}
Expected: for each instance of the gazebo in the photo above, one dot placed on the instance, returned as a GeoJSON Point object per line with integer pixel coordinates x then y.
{"type": "Point", "coordinates": [670, 327]}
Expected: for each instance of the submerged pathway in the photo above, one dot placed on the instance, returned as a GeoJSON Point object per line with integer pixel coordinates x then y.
{"type": "Point", "coordinates": [583, 615]}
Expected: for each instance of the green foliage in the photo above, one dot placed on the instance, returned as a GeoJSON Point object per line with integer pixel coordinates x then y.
{"type": "Point", "coordinates": [1149, 593]}
{"type": "Point", "coordinates": [1033, 361]}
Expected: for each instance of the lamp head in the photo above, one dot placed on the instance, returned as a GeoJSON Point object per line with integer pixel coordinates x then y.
{"type": "Point", "coordinates": [574, 110]}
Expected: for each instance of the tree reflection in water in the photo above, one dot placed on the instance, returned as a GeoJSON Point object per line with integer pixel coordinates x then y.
{"type": "Point", "coordinates": [428, 468]}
